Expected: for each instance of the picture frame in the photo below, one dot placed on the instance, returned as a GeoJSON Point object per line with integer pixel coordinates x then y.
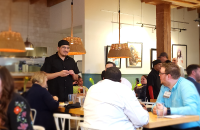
{"type": "Point", "coordinates": [117, 61]}
{"type": "Point", "coordinates": [179, 51]}
{"type": "Point", "coordinates": [153, 56]}
{"type": "Point", "coordinates": [136, 51]}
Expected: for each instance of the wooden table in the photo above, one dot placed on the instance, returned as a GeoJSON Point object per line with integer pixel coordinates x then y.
{"type": "Point", "coordinates": [76, 111]}
{"type": "Point", "coordinates": [154, 122]}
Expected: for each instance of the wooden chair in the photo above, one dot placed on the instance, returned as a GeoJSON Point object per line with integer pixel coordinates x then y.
{"type": "Point", "coordinates": [63, 117]}
{"type": "Point", "coordinates": [37, 127]}
{"type": "Point", "coordinates": [33, 115]}
{"type": "Point", "coordinates": [153, 100]}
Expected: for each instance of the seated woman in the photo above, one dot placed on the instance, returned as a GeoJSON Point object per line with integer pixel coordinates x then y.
{"type": "Point", "coordinates": [80, 87]}
{"type": "Point", "coordinates": [14, 109]}
{"type": "Point", "coordinates": [141, 90]}
{"type": "Point", "coordinates": [41, 100]}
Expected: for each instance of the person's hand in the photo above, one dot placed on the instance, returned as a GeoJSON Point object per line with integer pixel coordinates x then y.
{"type": "Point", "coordinates": [55, 98]}
{"type": "Point", "coordinates": [159, 106]}
{"type": "Point", "coordinates": [154, 110]}
{"type": "Point", "coordinates": [143, 105]}
{"type": "Point", "coordinates": [71, 72]}
{"type": "Point", "coordinates": [75, 82]}
{"type": "Point", "coordinates": [64, 73]}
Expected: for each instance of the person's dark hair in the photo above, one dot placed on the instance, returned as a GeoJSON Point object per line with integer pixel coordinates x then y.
{"type": "Point", "coordinates": [7, 84]}
{"type": "Point", "coordinates": [79, 77]}
{"type": "Point", "coordinates": [178, 55]}
{"type": "Point", "coordinates": [172, 69]}
{"type": "Point", "coordinates": [113, 73]}
{"type": "Point", "coordinates": [164, 54]}
{"type": "Point", "coordinates": [102, 74]}
{"type": "Point", "coordinates": [145, 76]}
{"type": "Point", "coordinates": [63, 42]}
{"type": "Point", "coordinates": [114, 65]}
{"type": "Point", "coordinates": [190, 68]}
{"type": "Point", "coordinates": [167, 61]}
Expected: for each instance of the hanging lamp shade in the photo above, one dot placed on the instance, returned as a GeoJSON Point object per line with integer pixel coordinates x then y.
{"type": "Point", "coordinates": [119, 50]}
{"type": "Point", "coordinates": [11, 42]}
{"type": "Point", "coordinates": [28, 45]}
{"type": "Point", "coordinates": [76, 45]}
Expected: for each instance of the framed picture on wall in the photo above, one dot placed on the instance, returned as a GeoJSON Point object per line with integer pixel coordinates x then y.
{"type": "Point", "coordinates": [153, 56]}
{"type": "Point", "coordinates": [136, 55]}
{"type": "Point", "coordinates": [180, 52]}
{"type": "Point", "coordinates": [117, 61]}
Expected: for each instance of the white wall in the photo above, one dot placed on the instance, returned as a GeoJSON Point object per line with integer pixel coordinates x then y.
{"type": "Point", "coordinates": [99, 32]}
{"type": "Point", "coordinates": [60, 15]}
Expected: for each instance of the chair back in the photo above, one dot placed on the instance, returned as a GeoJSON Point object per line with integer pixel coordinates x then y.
{"type": "Point", "coordinates": [37, 127]}
{"type": "Point", "coordinates": [153, 100]}
{"type": "Point", "coordinates": [33, 115]}
{"type": "Point", "coordinates": [84, 127]}
{"type": "Point", "coordinates": [62, 118]}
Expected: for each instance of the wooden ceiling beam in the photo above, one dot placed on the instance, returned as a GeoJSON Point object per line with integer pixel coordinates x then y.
{"type": "Point", "coordinates": [174, 2]}
{"type": "Point", "coordinates": [198, 10]}
{"type": "Point", "coordinates": [53, 2]}
{"type": "Point", "coordinates": [33, 1]}
{"type": "Point", "coordinates": [180, 7]}
{"type": "Point", "coordinates": [190, 9]}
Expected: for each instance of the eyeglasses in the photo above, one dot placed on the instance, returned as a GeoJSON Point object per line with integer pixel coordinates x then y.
{"type": "Point", "coordinates": [162, 73]}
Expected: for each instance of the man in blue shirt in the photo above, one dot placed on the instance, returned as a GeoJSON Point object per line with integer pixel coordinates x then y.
{"type": "Point", "coordinates": [193, 72]}
{"type": "Point", "coordinates": [179, 96]}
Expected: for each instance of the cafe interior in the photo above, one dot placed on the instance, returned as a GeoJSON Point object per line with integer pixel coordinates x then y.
{"type": "Point", "coordinates": [149, 26]}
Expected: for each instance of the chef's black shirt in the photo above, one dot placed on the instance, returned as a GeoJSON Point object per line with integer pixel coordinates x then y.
{"type": "Point", "coordinates": [60, 86]}
{"type": "Point", "coordinates": [153, 80]}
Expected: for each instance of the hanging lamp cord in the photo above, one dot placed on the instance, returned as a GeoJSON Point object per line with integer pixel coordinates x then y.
{"type": "Point", "coordinates": [28, 22]}
{"type": "Point", "coordinates": [10, 15]}
{"type": "Point", "coordinates": [72, 18]}
{"type": "Point", "coordinates": [119, 22]}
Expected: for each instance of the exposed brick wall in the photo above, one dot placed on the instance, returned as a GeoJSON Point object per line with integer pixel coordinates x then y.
{"type": "Point", "coordinates": [39, 24]}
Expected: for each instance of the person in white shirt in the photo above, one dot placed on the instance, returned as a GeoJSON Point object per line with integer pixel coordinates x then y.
{"type": "Point", "coordinates": [174, 60]}
{"type": "Point", "coordinates": [117, 108]}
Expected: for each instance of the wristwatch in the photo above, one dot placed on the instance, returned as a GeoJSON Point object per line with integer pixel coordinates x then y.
{"type": "Point", "coordinates": [168, 111]}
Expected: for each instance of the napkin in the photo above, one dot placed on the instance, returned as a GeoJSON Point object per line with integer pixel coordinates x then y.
{"type": "Point", "coordinates": [173, 116]}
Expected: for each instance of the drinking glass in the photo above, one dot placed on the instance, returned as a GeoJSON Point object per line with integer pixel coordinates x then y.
{"type": "Point", "coordinates": [71, 98]}
{"type": "Point", "coordinates": [81, 100]}
{"type": "Point", "coordinates": [160, 110]}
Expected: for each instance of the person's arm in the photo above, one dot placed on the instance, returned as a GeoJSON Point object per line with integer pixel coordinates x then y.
{"type": "Point", "coordinates": [47, 68]}
{"type": "Point", "coordinates": [49, 101]}
{"type": "Point", "coordinates": [143, 93]}
{"type": "Point", "coordinates": [150, 83]}
{"type": "Point", "coordinates": [134, 110]}
{"type": "Point", "coordinates": [19, 115]}
{"type": "Point", "coordinates": [150, 88]}
{"type": "Point", "coordinates": [190, 99]}
{"type": "Point", "coordinates": [160, 99]}
{"type": "Point", "coordinates": [62, 73]}
{"type": "Point", "coordinates": [74, 72]}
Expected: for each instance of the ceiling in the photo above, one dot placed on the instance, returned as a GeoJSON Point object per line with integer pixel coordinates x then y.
{"type": "Point", "coordinates": [49, 2]}
{"type": "Point", "coordinates": [189, 4]}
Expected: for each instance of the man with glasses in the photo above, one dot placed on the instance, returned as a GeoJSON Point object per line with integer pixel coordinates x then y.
{"type": "Point", "coordinates": [179, 97]}
{"type": "Point", "coordinates": [61, 70]}
{"type": "Point", "coordinates": [153, 81]}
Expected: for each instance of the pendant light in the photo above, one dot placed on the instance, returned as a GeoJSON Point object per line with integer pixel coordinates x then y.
{"type": "Point", "coordinates": [11, 41]}
{"type": "Point", "coordinates": [28, 45]}
{"type": "Point", "coordinates": [76, 45]}
{"type": "Point", "coordinates": [119, 50]}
